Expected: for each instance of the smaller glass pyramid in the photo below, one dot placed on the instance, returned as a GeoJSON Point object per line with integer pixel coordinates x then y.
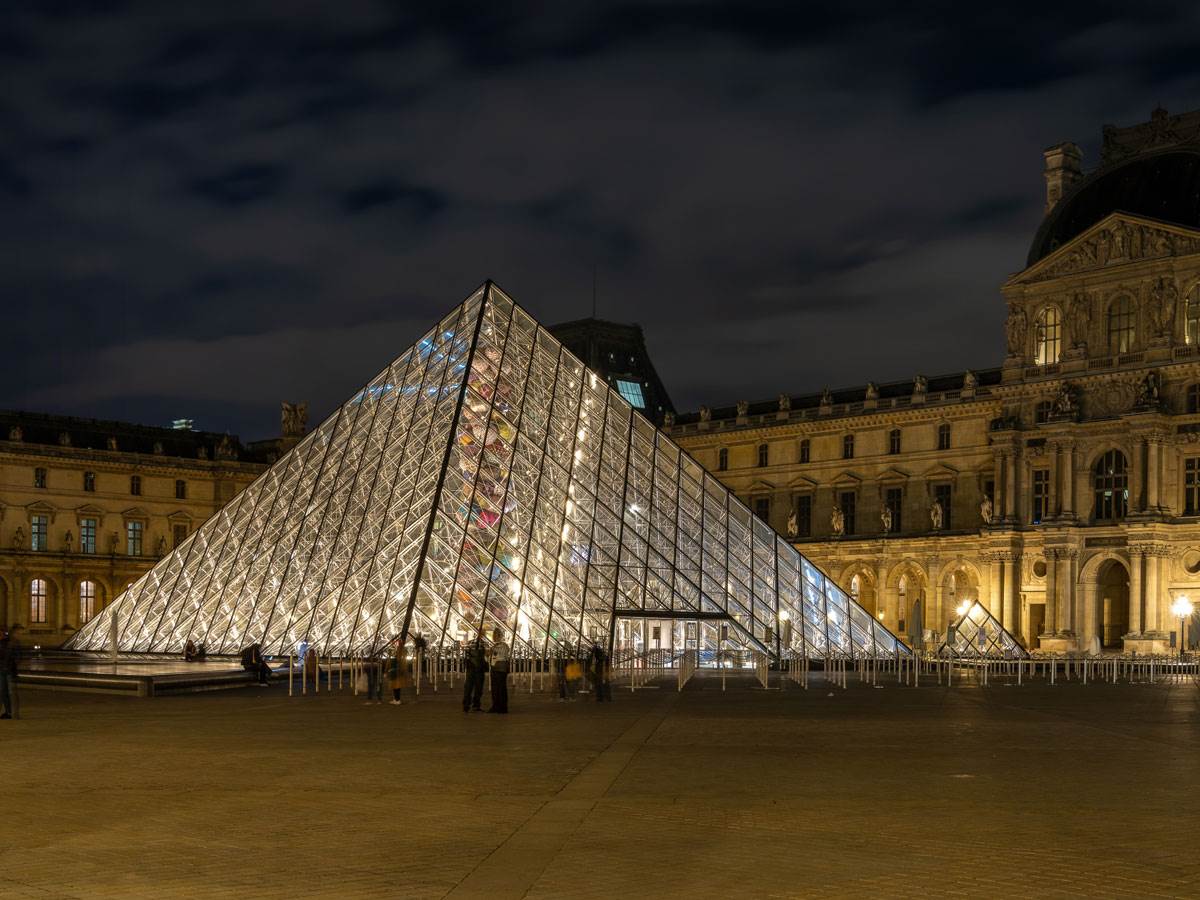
{"type": "Point", "coordinates": [978, 635]}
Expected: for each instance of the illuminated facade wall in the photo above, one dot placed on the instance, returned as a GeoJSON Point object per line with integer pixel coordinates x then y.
{"type": "Point", "coordinates": [486, 479]}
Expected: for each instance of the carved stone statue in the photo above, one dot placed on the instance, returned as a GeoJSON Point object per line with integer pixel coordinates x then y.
{"type": "Point", "coordinates": [1015, 329]}
{"type": "Point", "coordinates": [19, 539]}
{"type": "Point", "coordinates": [16, 433]}
{"type": "Point", "coordinates": [1065, 401]}
{"type": "Point", "coordinates": [705, 414]}
{"type": "Point", "coordinates": [668, 419]}
{"type": "Point", "coordinates": [743, 407]}
{"type": "Point", "coordinates": [872, 391]}
{"type": "Point", "coordinates": [827, 397]}
{"type": "Point", "coordinates": [1148, 392]}
{"type": "Point", "coordinates": [225, 448]}
{"type": "Point", "coordinates": [158, 448]}
{"type": "Point", "coordinates": [920, 384]}
{"type": "Point", "coordinates": [885, 519]}
{"type": "Point", "coordinates": [985, 510]}
{"type": "Point", "coordinates": [68, 541]}
{"type": "Point", "coordinates": [936, 515]}
{"type": "Point", "coordinates": [64, 438]}
{"type": "Point", "coordinates": [293, 419]}
{"type": "Point", "coordinates": [785, 402]}
{"type": "Point", "coordinates": [113, 542]}
{"type": "Point", "coordinates": [162, 546]}
{"type": "Point", "coordinates": [1078, 314]}
{"type": "Point", "coordinates": [793, 524]}
{"type": "Point", "coordinates": [1164, 298]}
{"type": "Point", "coordinates": [201, 453]}
{"type": "Point", "coordinates": [112, 442]}
{"type": "Point", "coordinates": [838, 520]}
{"type": "Point", "coordinates": [970, 380]}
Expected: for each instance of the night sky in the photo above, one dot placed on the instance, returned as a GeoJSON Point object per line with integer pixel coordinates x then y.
{"type": "Point", "coordinates": [209, 208]}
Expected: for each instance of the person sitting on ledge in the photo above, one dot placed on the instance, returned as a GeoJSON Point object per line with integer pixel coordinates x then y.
{"type": "Point", "coordinates": [190, 653]}
{"type": "Point", "coordinates": [252, 661]}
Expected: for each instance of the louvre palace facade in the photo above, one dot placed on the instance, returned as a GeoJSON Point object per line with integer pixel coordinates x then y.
{"type": "Point", "coordinates": [1061, 489]}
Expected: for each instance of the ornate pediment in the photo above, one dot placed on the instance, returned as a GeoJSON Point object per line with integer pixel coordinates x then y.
{"type": "Point", "coordinates": [847, 479]}
{"type": "Point", "coordinates": [892, 475]}
{"type": "Point", "coordinates": [802, 483]}
{"type": "Point", "coordinates": [1117, 239]}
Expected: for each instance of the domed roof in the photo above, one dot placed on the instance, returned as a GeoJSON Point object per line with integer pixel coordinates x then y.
{"type": "Point", "coordinates": [1163, 186]}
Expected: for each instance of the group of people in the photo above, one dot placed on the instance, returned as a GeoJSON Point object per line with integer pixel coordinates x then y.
{"type": "Point", "coordinates": [10, 659]}
{"type": "Point", "coordinates": [193, 652]}
{"type": "Point", "coordinates": [596, 667]}
{"type": "Point", "coordinates": [394, 668]}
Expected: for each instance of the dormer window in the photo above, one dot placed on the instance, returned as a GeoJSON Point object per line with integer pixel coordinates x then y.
{"type": "Point", "coordinates": [1048, 336]}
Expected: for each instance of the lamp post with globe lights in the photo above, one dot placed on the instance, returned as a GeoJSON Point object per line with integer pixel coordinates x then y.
{"type": "Point", "coordinates": [1182, 607]}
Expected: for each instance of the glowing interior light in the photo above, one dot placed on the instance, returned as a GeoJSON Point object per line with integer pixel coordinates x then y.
{"type": "Point", "coordinates": [582, 435]}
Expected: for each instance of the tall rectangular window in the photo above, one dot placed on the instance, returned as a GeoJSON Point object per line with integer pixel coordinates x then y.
{"type": "Point", "coordinates": [762, 508]}
{"type": "Point", "coordinates": [942, 495]}
{"type": "Point", "coordinates": [37, 601]}
{"type": "Point", "coordinates": [1041, 495]}
{"type": "Point", "coordinates": [847, 504]}
{"type": "Point", "coordinates": [1191, 486]}
{"type": "Point", "coordinates": [39, 477]}
{"type": "Point", "coordinates": [804, 515]}
{"type": "Point", "coordinates": [722, 459]}
{"type": "Point", "coordinates": [87, 535]}
{"type": "Point", "coordinates": [894, 500]}
{"type": "Point", "coordinates": [180, 489]}
{"type": "Point", "coordinates": [848, 447]}
{"type": "Point", "coordinates": [135, 485]}
{"type": "Point", "coordinates": [763, 455]}
{"type": "Point", "coordinates": [179, 533]}
{"type": "Point", "coordinates": [89, 481]}
{"type": "Point", "coordinates": [805, 450]}
{"type": "Point", "coordinates": [133, 538]}
{"type": "Point", "coordinates": [943, 437]}
{"type": "Point", "coordinates": [894, 441]}
{"type": "Point", "coordinates": [87, 601]}
{"type": "Point", "coordinates": [39, 532]}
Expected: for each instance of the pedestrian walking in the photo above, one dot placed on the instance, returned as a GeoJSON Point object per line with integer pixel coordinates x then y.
{"type": "Point", "coordinates": [10, 660]}
{"type": "Point", "coordinates": [399, 674]}
{"type": "Point", "coordinates": [474, 666]}
{"type": "Point", "coordinates": [373, 666]}
{"type": "Point", "coordinates": [498, 662]}
{"type": "Point", "coordinates": [601, 673]}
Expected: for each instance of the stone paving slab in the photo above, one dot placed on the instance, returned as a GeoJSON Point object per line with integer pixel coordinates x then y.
{"type": "Point", "coordinates": [1061, 791]}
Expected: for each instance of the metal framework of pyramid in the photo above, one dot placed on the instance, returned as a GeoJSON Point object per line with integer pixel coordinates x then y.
{"type": "Point", "coordinates": [977, 634]}
{"type": "Point", "coordinates": [485, 479]}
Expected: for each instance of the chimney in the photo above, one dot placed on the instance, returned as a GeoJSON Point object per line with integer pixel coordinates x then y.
{"type": "Point", "coordinates": [1064, 167]}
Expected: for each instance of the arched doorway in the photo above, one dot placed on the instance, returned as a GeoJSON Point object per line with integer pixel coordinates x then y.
{"type": "Point", "coordinates": [859, 583]}
{"type": "Point", "coordinates": [1112, 599]}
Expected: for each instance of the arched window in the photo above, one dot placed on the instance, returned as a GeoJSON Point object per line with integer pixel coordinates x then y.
{"type": "Point", "coordinates": [944, 437]}
{"type": "Point", "coordinates": [1111, 477]}
{"type": "Point", "coordinates": [1048, 336]}
{"type": "Point", "coordinates": [1120, 325]}
{"type": "Point", "coordinates": [87, 601]}
{"type": "Point", "coordinates": [805, 450]}
{"type": "Point", "coordinates": [855, 588]}
{"type": "Point", "coordinates": [902, 597]}
{"type": "Point", "coordinates": [37, 601]}
{"type": "Point", "coordinates": [722, 459]}
{"type": "Point", "coordinates": [1193, 398]}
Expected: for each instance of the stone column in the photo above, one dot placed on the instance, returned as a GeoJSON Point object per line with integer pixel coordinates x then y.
{"type": "Point", "coordinates": [1151, 621]}
{"type": "Point", "coordinates": [995, 602]}
{"type": "Point", "coordinates": [1135, 591]}
{"type": "Point", "coordinates": [1152, 452]}
{"type": "Point", "coordinates": [1050, 626]}
{"type": "Point", "coordinates": [881, 597]}
{"type": "Point", "coordinates": [1012, 587]}
{"type": "Point", "coordinates": [1136, 481]}
{"type": "Point", "coordinates": [1055, 500]}
{"type": "Point", "coordinates": [1010, 485]}
{"type": "Point", "coordinates": [1068, 615]}
{"type": "Point", "coordinates": [1068, 481]}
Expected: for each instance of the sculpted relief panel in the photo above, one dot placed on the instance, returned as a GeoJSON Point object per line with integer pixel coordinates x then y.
{"type": "Point", "coordinates": [1120, 243]}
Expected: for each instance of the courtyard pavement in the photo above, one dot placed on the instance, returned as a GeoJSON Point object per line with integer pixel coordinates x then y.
{"type": "Point", "coordinates": [1037, 790]}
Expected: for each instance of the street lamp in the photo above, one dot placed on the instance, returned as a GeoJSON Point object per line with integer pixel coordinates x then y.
{"type": "Point", "coordinates": [1182, 607]}
{"type": "Point", "coordinates": [964, 607]}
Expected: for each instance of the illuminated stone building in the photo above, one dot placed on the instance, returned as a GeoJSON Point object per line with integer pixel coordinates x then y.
{"type": "Point", "coordinates": [87, 506]}
{"type": "Point", "coordinates": [1061, 488]}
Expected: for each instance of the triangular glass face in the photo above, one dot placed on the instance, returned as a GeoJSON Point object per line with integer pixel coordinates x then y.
{"type": "Point", "coordinates": [485, 480]}
{"type": "Point", "coordinates": [977, 634]}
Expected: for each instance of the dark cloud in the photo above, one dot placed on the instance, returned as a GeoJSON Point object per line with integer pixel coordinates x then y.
{"type": "Point", "coordinates": [211, 207]}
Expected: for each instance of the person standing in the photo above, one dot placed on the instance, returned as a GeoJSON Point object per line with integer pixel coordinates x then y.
{"type": "Point", "coordinates": [10, 658]}
{"type": "Point", "coordinates": [600, 672]}
{"type": "Point", "coordinates": [474, 666]}
{"type": "Point", "coordinates": [498, 661]}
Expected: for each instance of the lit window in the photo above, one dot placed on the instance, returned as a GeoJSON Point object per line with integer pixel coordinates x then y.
{"type": "Point", "coordinates": [133, 538]}
{"type": "Point", "coordinates": [1048, 336]}
{"type": "Point", "coordinates": [87, 601]}
{"type": "Point", "coordinates": [855, 588]}
{"type": "Point", "coordinates": [1120, 326]}
{"type": "Point", "coordinates": [87, 535]}
{"type": "Point", "coordinates": [1041, 495]}
{"type": "Point", "coordinates": [631, 391]}
{"type": "Point", "coordinates": [1111, 480]}
{"type": "Point", "coordinates": [37, 601]}
{"type": "Point", "coordinates": [1192, 317]}
{"type": "Point", "coordinates": [1191, 486]}
{"type": "Point", "coordinates": [39, 527]}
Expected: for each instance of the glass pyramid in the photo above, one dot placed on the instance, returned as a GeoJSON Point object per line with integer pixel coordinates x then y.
{"type": "Point", "coordinates": [485, 479]}
{"type": "Point", "coordinates": [977, 634]}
